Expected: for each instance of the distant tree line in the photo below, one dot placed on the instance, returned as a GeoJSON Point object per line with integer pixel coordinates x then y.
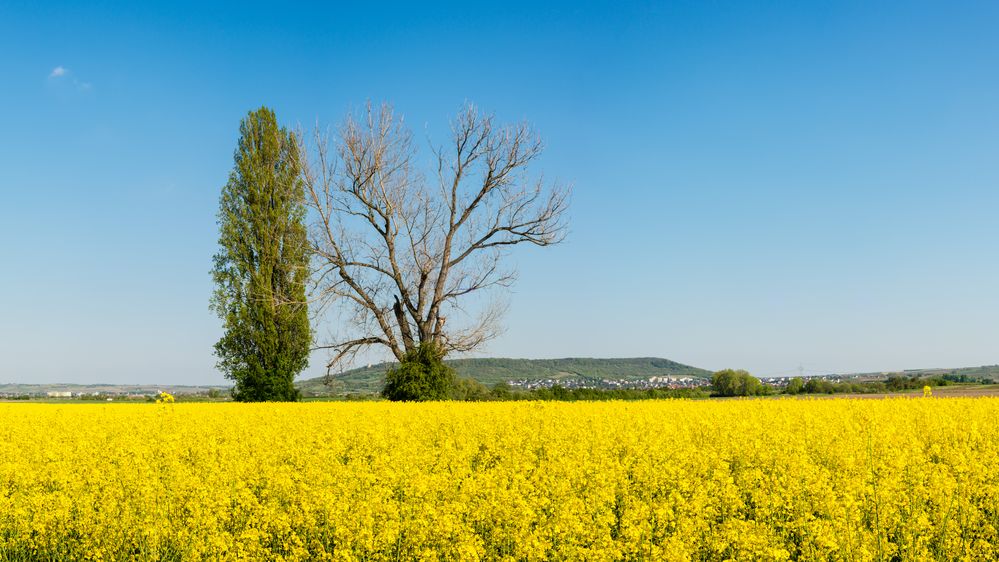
{"type": "Point", "coordinates": [422, 378]}
{"type": "Point", "coordinates": [730, 382]}
{"type": "Point", "coordinates": [894, 383]}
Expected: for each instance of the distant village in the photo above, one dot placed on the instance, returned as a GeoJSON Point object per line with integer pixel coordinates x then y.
{"type": "Point", "coordinates": [66, 394]}
{"type": "Point", "coordinates": [110, 393]}
{"type": "Point", "coordinates": [611, 384]}
{"type": "Point", "coordinates": [659, 382]}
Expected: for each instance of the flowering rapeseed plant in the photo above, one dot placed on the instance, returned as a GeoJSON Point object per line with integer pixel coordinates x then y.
{"type": "Point", "coordinates": [740, 480]}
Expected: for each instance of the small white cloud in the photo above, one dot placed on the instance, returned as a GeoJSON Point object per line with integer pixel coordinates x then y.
{"type": "Point", "coordinates": [61, 78]}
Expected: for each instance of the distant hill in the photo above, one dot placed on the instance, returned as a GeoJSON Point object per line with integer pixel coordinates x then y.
{"type": "Point", "coordinates": [491, 371]}
{"type": "Point", "coordinates": [977, 373]}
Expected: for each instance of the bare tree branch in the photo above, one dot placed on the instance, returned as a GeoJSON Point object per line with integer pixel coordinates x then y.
{"type": "Point", "coordinates": [398, 256]}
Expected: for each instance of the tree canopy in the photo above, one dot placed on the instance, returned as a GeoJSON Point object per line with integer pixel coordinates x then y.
{"type": "Point", "coordinates": [262, 266]}
{"type": "Point", "coordinates": [729, 382]}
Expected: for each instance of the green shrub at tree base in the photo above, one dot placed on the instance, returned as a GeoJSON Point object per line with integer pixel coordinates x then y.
{"type": "Point", "coordinates": [422, 375]}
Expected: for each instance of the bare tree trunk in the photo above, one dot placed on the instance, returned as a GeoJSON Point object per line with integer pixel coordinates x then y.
{"type": "Point", "coordinates": [400, 317]}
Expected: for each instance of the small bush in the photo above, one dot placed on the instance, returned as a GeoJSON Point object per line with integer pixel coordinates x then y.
{"type": "Point", "coordinates": [729, 382]}
{"type": "Point", "coordinates": [469, 390]}
{"type": "Point", "coordinates": [502, 391]}
{"type": "Point", "coordinates": [422, 375]}
{"type": "Point", "coordinates": [795, 386]}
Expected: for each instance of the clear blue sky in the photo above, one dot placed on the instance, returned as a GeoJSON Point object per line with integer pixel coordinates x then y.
{"type": "Point", "coordinates": [757, 185]}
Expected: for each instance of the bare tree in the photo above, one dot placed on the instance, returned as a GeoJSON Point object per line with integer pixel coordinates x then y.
{"type": "Point", "coordinates": [404, 256]}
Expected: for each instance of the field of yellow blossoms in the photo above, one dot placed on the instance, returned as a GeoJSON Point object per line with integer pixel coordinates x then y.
{"type": "Point", "coordinates": [896, 479]}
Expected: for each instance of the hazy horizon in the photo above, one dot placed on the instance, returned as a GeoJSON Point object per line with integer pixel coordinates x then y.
{"type": "Point", "coordinates": [756, 187]}
{"type": "Point", "coordinates": [790, 373]}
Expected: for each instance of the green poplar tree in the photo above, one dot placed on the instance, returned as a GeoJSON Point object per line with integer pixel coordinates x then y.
{"type": "Point", "coordinates": [262, 265]}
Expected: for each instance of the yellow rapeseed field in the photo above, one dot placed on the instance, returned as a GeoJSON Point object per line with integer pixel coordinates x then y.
{"type": "Point", "coordinates": [897, 479]}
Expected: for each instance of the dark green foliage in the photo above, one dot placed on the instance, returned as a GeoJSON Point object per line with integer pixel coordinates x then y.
{"type": "Point", "coordinates": [818, 386]}
{"type": "Point", "coordinates": [501, 391]}
{"type": "Point", "coordinates": [894, 383]}
{"type": "Point", "coordinates": [262, 265]}
{"type": "Point", "coordinates": [795, 386]}
{"type": "Point", "coordinates": [420, 376]}
{"type": "Point", "coordinates": [910, 383]}
{"type": "Point", "coordinates": [470, 390]}
{"type": "Point", "coordinates": [966, 379]}
{"type": "Point", "coordinates": [730, 382]}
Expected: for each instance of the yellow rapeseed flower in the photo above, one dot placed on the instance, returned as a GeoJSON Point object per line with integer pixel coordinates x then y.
{"type": "Point", "coordinates": [657, 480]}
